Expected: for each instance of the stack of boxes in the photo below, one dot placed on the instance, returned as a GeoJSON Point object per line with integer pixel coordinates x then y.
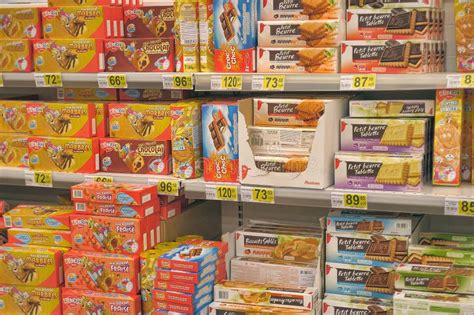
{"type": "Point", "coordinates": [13, 134]}
{"type": "Point", "coordinates": [302, 37]}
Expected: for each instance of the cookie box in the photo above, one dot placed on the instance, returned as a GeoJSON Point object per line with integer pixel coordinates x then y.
{"type": "Point", "coordinates": [186, 32]}
{"type": "Point", "coordinates": [265, 295]}
{"type": "Point", "coordinates": [452, 240]}
{"type": "Point", "coordinates": [114, 210]}
{"type": "Point", "coordinates": [190, 258]}
{"type": "Point", "coordinates": [282, 141]}
{"type": "Point", "coordinates": [298, 10]}
{"type": "Point", "coordinates": [13, 116]}
{"type": "Point", "coordinates": [113, 234]}
{"type": "Point", "coordinates": [183, 298]}
{"type": "Point", "coordinates": [84, 302]}
{"type": "Point", "coordinates": [101, 119]}
{"type": "Point", "coordinates": [366, 249]}
{"type": "Point", "coordinates": [16, 55]}
{"type": "Point", "coordinates": [13, 150]}
{"type": "Point", "coordinates": [190, 289]}
{"type": "Point", "coordinates": [435, 279]}
{"type": "Point", "coordinates": [120, 194]}
{"type": "Point", "coordinates": [314, 33]}
{"type": "Point", "coordinates": [414, 302]}
{"type": "Point", "coordinates": [139, 55]}
{"type": "Point", "coordinates": [152, 95]}
{"type": "Point", "coordinates": [41, 237]}
{"type": "Point", "coordinates": [186, 139]}
{"type": "Point", "coordinates": [39, 217]}
{"type": "Point", "coordinates": [379, 171]}
{"type": "Point", "coordinates": [33, 267]}
{"type": "Point", "coordinates": [135, 156]}
{"type": "Point", "coordinates": [336, 304]}
{"type": "Point", "coordinates": [350, 221]}
{"type": "Point", "coordinates": [19, 299]}
{"type": "Point", "coordinates": [298, 60]}
{"type": "Point", "coordinates": [223, 247]}
{"type": "Point", "coordinates": [71, 155]}
{"type": "Point", "coordinates": [273, 271]}
{"type": "Point", "coordinates": [184, 276]}
{"type": "Point", "coordinates": [61, 119]}
{"type": "Point", "coordinates": [149, 21]}
{"type": "Point", "coordinates": [391, 108]}
{"type": "Point", "coordinates": [220, 141]}
{"type": "Point", "coordinates": [20, 23]}
{"type": "Point", "coordinates": [206, 35]}
{"type": "Point", "coordinates": [463, 35]}
{"type": "Point", "coordinates": [140, 121]}
{"type": "Point", "coordinates": [279, 164]}
{"type": "Point", "coordinates": [385, 135]}
{"type": "Point", "coordinates": [390, 4]}
{"type": "Point", "coordinates": [68, 55]}
{"type": "Point", "coordinates": [235, 35]}
{"type": "Point", "coordinates": [183, 308]}
{"type": "Point", "coordinates": [171, 210]}
{"type": "Point", "coordinates": [82, 22]}
{"type": "Point", "coordinates": [440, 256]}
{"type": "Point", "coordinates": [102, 272]}
{"type": "Point", "coordinates": [86, 94]}
{"type": "Point", "coordinates": [356, 280]}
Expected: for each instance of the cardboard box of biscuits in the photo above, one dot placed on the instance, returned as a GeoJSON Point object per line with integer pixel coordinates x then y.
{"type": "Point", "coordinates": [16, 55]}
{"type": "Point", "coordinates": [13, 150]}
{"type": "Point", "coordinates": [298, 10]}
{"type": "Point", "coordinates": [13, 116]}
{"type": "Point", "coordinates": [391, 108]}
{"type": "Point", "coordinates": [39, 217]}
{"type": "Point", "coordinates": [440, 256]}
{"type": "Point", "coordinates": [153, 95]}
{"type": "Point", "coordinates": [452, 240]}
{"type": "Point", "coordinates": [18, 298]}
{"type": "Point", "coordinates": [41, 237]}
{"type": "Point", "coordinates": [414, 302]}
{"type": "Point", "coordinates": [86, 94]}
{"type": "Point", "coordinates": [463, 15]}
{"type": "Point", "coordinates": [335, 304]}
{"type": "Point", "coordinates": [20, 23]}
{"type": "Point", "coordinates": [114, 210]}
{"type": "Point", "coordinates": [120, 194]}
{"type": "Point", "coordinates": [149, 21]}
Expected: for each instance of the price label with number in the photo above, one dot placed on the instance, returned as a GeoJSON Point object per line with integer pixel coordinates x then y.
{"type": "Point", "coordinates": [224, 193]}
{"type": "Point", "coordinates": [358, 82]}
{"type": "Point", "coordinates": [48, 79]}
{"type": "Point", "coordinates": [39, 178]}
{"type": "Point", "coordinates": [258, 194]}
{"type": "Point", "coordinates": [226, 82]}
{"type": "Point", "coordinates": [112, 80]}
{"type": "Point", "coordinates": [178, 82]}
{"type": "Point", "coordinates": [100, 179]}
{"type": "Point", "coordinates": [461, 81]}
{"type": "Point", "coordinates": [268, 83]}
{"type": "Point", "coordinates": [456, 206]}
{"type": "Point", "coordinates": [168, 187]}
{"type": "Point", "coordinates": [349, 200]}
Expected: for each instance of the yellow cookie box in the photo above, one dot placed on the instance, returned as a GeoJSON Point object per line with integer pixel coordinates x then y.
{"type": "Point", "coordinates": [20, 23]}
{"type": "Point", "coordinates": [15, 55]}
{"type": "Point", "coordinates": [13, 116]}
{"type": "Point", "coordinates": [13, 150]}
{"type": "Point", "coordinates": [19, 299]}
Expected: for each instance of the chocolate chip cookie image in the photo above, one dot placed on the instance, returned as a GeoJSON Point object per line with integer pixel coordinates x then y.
{"type": "Point", "coordinates": [157, 26]}
{"type": "Point", "coordinates": [140, 60]}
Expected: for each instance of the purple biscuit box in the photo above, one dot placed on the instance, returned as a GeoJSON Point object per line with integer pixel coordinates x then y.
{"type": "Point", "coordinates": [384, 135]}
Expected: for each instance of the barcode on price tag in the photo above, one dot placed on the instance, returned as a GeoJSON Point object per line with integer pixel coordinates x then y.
{"type": "Point", "coordinates": [459, 206]}
{"type": "Point", "coordinates": [357, 82]}
{"type": "Point", "coordinates": [39, 178]}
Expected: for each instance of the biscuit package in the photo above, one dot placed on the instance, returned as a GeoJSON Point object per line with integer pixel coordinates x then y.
{"type": "Point", "coordinates": [314, 33]}
{"type": "Point", "coordinates": [435, 279]}
{"type": "Point", "coordinates": [140, 121]}
{"type": "Point", "coordinates": [41, 237]}
{"type": "Point", "coordinates": [217, 308]}
{"type": "Point", "coordinates": [34, 267]}
{"type": "Point", "coordinates": [15, 55]}
{"type": "Point", "coordinates": [153, 95]}
{"type": "Point", "coordinates": [453, 240]}
{"type": "Point", "coordinates": [13, 150]}
{"type": "Point", "coordinates": [189, 258]}
{"type": "Point", "coordinates": [86, 94]}
{"type": "Point", "coordinates": [220, 141]}
{"type": "Point", "coordinates": [298, 60]}
{"type": "Point", "coordinates": [68, 55]}
{"type": "Point", "coordinates": [114, 273]}
{"type": "Point", "coordinates": [135, 156]}
{"type": "Point", "coordinates": [199, 307]}
{"type": "Point", "coordinates": [186, 34]}
{"type": "Point", "coordinates": [280, 141]}
{"type": "Point", "coordinates": [439, 256]}
{"type": "Point", "coordinates": [281, 164]}
{"type": "Point", "coordinates": [391, 108]}
{"type": "Point", "coordinates": [82, 22]}
{"type": "Point", "coordinates": [139, 55]}
{"type": "Point", "coordinates": [20, 23]}
{"type": "Point", "coordinates": [298, 10]}
{"type": "Point", "coordinates": [335, 304]}
{"type": "Point", "coordinates": [84, 302]}
{"type": "Point", "coordinates": [235, 35]}
{"type": "Point", "coordinates": [206, 35]}
{"type": "Point", "coordinates": [464, 17]}
{"type": "Point", "coordinates": [416, 302]}
{"type": "Point", "coordinates": [448, 137]}
{"type": "Point", "coordinates": [114, 210]}
{"type": "Point", "coordinates": [391, 4]}
{"type": "Point", "coordinates": [19, 299]}
{"type": "Point", "coordinates": [149, 22]}
{"type": "Point", "coordinates": [186, 139]}
{"type": "Point", "coordinates": [467, 136]}
{"type": "Point", "coordinates": [366, 281]}
{"type": "Point", "coordinates": [13, 116]}
{"type": "Point", "coordinates": [379, 171]}
{"type": "Point", "coordinates": [39, 217]}
{"type": "Point", "coordinates": [120, 194]}
{"type": "Point", "coordinates": [61, 119]}
{"type": "Point", "coordinates": [72, 155]}
{"type": "Point", "coordinates": [160, 296]}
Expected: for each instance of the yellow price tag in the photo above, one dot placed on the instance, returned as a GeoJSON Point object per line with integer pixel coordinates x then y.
{"type": "Point", "coordinates": [266, 195]}
{"type": "Point", "coordinates": [273, 82]}
{"type": "Point", "coordinates": [43, 178]}
{"type": "Point", "coordinates": [168, 187]}
{"type": "Point", "coordinates": [103, 179]}
{"type": "Point", "coordinates": [466, 207]}
{"type": "Point", "coordinates": [116, 81]}
{"type": "Point", "coordinates": [363, 82]}
{"type": "Point", "coordinates": [355, 201]}
{"type": "Point", "coordinates": [227, 193]}
{"type": "Point", "coordinates": [231, 82]}
{"type": "Point", "coordinates": [49, 80]}
{"type": "Point", "coordinates": [467, 80]}
{"type": "Point", "coordinates": [182, 82]}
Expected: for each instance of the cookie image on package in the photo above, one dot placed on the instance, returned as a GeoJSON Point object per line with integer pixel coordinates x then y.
{"type": "Point", "coordinates": [142, 124]}
{"type": "Point", "coordinates": [28, 304]}
{"type": "Point", "coordinates": [310, 111]}
{"type": "Point", "coordinates": [59, 123]}
{"type": "Point", "coordinates": [316, 60]}
{"type": "Point", "coordinates": [217, 128]}
{"type": "Point", "coordinates": [65, 58]}
{"type": "Point", "coordinates": [315, 8]}
{"type": "Point", "coordinates": [22, 270]}
{"type": "Point", "coordinates": [102, 278]}
{"type": "Point", "coordinates": [7, 154]}
{"type": "Point", "coordinates": [62, 158]}
{"type": "Point", "coordinates": [134, 160]}
{"type": "Point", "coordinates": [381, 281]}
{"type": "Point", "coordinates": [76, 26]}
{"type": "Point", "coordinates": [227, 19]}
{"type": "Point", "coordinates": [9, 25]}
{"type": "Point", "coordinates": [314, 33]}
{"type": "Point", "coordinates": [14, 117]}
{"type": "Point", "coordinates": [402, 22]}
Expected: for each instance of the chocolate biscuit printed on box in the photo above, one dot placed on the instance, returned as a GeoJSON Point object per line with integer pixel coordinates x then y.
{"type": "Point", "coordinates": [357, 280]}
{"type": "Point", "coordinates": [439, 256]}
{"type": "Point", "coordinates": [366, 249]}
{"type": "Point", "coordinates": [378, 4]}
{"type": "Point", "coordinates": [48, 217]}
{"type": "Point", "coordinates": [416, 302]}
{"type": "Point", "coordinates": [13, 150]}
{"type": "Point", "coordinates": [20, 299]}
{"type": "Point", "coordinates": [340, 304]}
{"type": "Point", "coordinates": [298, 10]}
{"type": "Point", "coordinates": [435, 279]}
{"type": "Point", "coordinates": [190, 258]}
{"type": "Point", "coordinates": [86, 94]}
{"type": "Point", "coordinates": [235, 35]}
{"type": "Point", "coordinates": [378, 171]}
{"type": "Point", "coordinates": [16, 55]}
{"type": "Point", "coordinates": [121, 194]}
{"type": "Point", "coordinates": [451, 240]}
{"type": "Point", "coordinates": [41, 237]}
{"type": "Point", "coordinates": [20, 23]}
{"type": "Point", "coordinates": [391, 108]}
{"type": "Point", "coordinates": [350, 221]}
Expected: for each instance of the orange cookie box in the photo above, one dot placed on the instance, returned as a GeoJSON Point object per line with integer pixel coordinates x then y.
{"type": "Point", "coordinates": [82, 22]}
{"type": "Point", "coordinates": [15, 55]}
{"type": "Point", "coordinates": [111, 210]}
{"type": "Point", "coordinates": [20, 23]}
{"type": "Point", "coordinates": [120, 194]}
{"type": "Point", "coordinates": [68, 55]}
{"type": "Point", "coordinates": [20, 299]}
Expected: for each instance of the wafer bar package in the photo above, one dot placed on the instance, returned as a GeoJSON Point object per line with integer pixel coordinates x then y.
{"type": "Point", "coordinates": [463, 16]}
{"type": "Point", "coordinates": [414, 302]}
{"type": "Point", "coordinates": [452, 240]}
{"type": "Point", "coordinates": [435, 279]}
{"type": "Point", "coordinates": [315, 33]}
{"type": "Point", "coordinates": [378, 171]}
{"type": "Point", "coordinates": [20, 23]}
{"type": "Point", "coordinates": [298, 10]}
{"type": "Point", "coordinates": [440, 256]}
{"type": "Point", "coordinates": [18, 299]}
{"type": "Point", "coordinates": [139, 55]}
{"type": "Point", "coordinates": [281, 140]}
{"type": "Point", "coordinates": [298, 60]}
{"type": "Point", "coordinates": [82, 22]}
{"type": "Point", "coordinates": [153, 95]}
{"type": "Point", "coordinates": [339, 304]}
{"type": "Point", "coordinates": [39, 217]}
{"type": "Point", "coordinates": [16, 55]}
{"type": "Point", "coordinates": [13, 149]}
{"type": "Point", "coordinates": [149, 21]}
{"type": "Point", "coordinates": [86, 94]}
{"type": "Point", "coordinates": [186, 32]}
{"type": "Point", "coordinates": [13, 116]}
{"type": "Point", "coordinates": [42, 237]}
{"type": "Point", "coordinates": [68, 55]}
{"type": "Point", "coordinates": [120, 194]}
{"type": "Point", "coordinates": [391, 108]}
{"type": "Point", "coordinates": [365, 281]}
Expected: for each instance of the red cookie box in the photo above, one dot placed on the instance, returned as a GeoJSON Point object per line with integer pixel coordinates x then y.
{"type": "Point", "coordinates": [182, 308]}
{"type": "Point", "coordinates": [189, 258]}
{"type": "Point", "coordinates": [172, 297]}
{"type": "Point", "coordinates": [85, 302]}
{"type": "Point", "coordinates": [111, 210]}
{"type": "Point", "coordinates": [149, 22]}
{"type": "Point", "coordinates": [183, 276]}
{"type": "Point", "coordinates": [171, 210]}
{"type": "Point", "coordinates": [114, 273]}
{"type": "Point", "coordinates": [135, 156]}
{"type": "Point", "coordinates": [120, 194]}
{"type": "Point", "coordinates": [183, 287]}
{"type": "Point", "coordinates": [114, 235]}
{"type": "Point", "coordinates": [139, 55]}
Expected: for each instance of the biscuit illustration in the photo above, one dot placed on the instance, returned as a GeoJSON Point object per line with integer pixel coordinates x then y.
{"type": "Point", "coordinates": [10, 26]}
{"type": "Point", "coordinates": [76, 26]}
{"type": "Point", "coordinates": [59, 123]}
{"type": "Point", "coordinates": [157, 26]}
{"type": "Point", "coordinates": [134, 161]}
{"type": "Point", "coordinates": [101, 277]}
{"type": "Point", "coordinates": [310, 111]}
{"type": "Point", "coordinates": [62, 158]}
{"type": "Point", "coordinates": [22, 270]}
{"type": "Point", "coordinates": [14, 117]}
{"type": "Point", "coordinates": [140, 60]}
{"type": "Point", "coordinates": [227, 19]}
{"type": "Point", "coordinates": [65, 58]}
{"type": "Point", "coordinates": [143, 125]}
{"type": "Point", "coordinates": [30, 305]}
{"type": "Point", "coordinates": [393, 174]}
{"type": "Point", "coordinates": [5, 59]}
